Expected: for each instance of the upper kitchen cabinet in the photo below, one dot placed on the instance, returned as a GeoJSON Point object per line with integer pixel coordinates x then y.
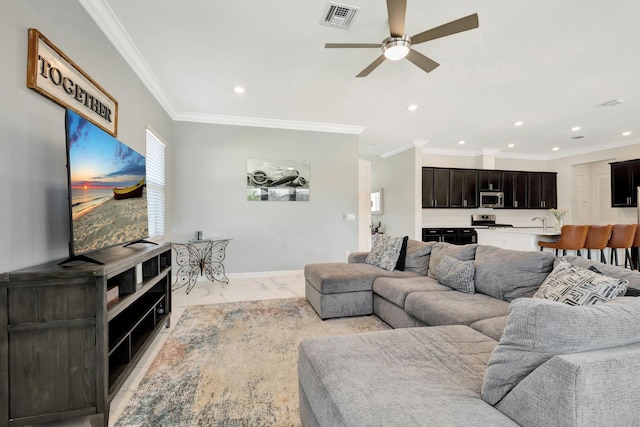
{"type": "Point", "coordinates": [490, 180]}
{"type": "Point", "coordinates": [435, 188]}
{"type": "Point", "coordinates": [464, 188]}
{"type": "Point", "coordinates": [542, 190]}
{"type": "Point", "coordinates": [625, 178]}
{"type": "Point", "coordinates": [514, 187]}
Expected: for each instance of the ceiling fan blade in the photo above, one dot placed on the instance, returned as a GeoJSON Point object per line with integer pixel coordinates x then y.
{"type": "Point", "coordinates": [351, 45]}
{"type": "Point", "coordinates": [459, 25]}
{"type": "Point", "coordinates": [372, 66]}
{"type": "Point", "coordinates": [422, 61]}
{"type": "Point", "coordinates": [397, 10]}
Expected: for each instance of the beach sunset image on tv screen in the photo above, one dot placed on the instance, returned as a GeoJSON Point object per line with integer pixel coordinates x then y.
{"type": "Point", "coordinates": [107, 188]}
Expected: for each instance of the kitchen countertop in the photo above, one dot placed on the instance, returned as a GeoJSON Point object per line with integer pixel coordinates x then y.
{"type": "Point", "coordinates": [522, 239]}
{"type": "Point", "coordinates": [537, 231]}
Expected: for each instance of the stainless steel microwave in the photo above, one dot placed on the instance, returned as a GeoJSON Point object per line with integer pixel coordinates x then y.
{"type": "Point", "coordinates": [491, 199]}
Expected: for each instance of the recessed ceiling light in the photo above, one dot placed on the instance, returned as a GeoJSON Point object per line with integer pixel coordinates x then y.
{"type": "Point", "coordinates": [555, 148]}
{"type": "Point", "coordinates": [238, 89]}
{"type": "Point", "coordinates": [627, 133]}
{"type": "Point", "coordinates": [462, 142]}
{"type": "Point", "coordinates": [511, 145]}
{"type": "Point", "coordinates": [518, 123]}
{"type": "Point", "coordinates": [412, 107]}
{"type": "Point", "coordinates": [575, 128]}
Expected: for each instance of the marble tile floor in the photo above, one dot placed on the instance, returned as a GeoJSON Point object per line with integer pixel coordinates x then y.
{"type": "Point", "coordinates": [290, 285]}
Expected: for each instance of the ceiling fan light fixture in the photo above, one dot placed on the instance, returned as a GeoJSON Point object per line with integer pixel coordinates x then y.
{"type": "Point", "coordinates": [395, 48]}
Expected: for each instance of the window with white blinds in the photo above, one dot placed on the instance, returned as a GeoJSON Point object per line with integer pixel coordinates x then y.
{"type": "Point", "coordinates": [155, 184]}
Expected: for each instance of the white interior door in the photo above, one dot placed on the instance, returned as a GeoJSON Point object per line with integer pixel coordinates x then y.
{"type": "Point", "coordinates": [364, 205]}
{"type": "Point", "coordinates": [603, 214]}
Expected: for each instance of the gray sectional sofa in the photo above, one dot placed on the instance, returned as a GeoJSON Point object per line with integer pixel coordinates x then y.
{"type": "Point", "coordinates": [495, 357]}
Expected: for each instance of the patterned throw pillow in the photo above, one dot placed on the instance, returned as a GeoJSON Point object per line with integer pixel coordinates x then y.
{"type": "Point", "coordinates": [573, 285]}
{"type": "Point", "coordinates": [385, 252]}
{"type": "Point", "coordinates": [456, 274]}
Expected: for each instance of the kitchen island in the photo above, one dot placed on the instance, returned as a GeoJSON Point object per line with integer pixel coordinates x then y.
{"type": "Point", "coordinates": [520, 239]}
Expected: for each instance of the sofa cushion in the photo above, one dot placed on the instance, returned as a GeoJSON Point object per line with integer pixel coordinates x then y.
{"type": "Point", "coordinates": [508, 274]}
{"type": "Point", "coordinates": [385, 252]}
{"type": "Point", "coordinates": [396, 290]}
{"type": "Point", "coordinates": [609, 270]}
{"type": "Point", "coordinates": [418, 255]}
{"type": "Point", "coordinates": [493, 327]}
{"type": "Point", "coordinates": [539, 329]}
{"type": "Point", "coordinates": [440, 249]}
{"type": "Point", "coordinates": [404, 377]}
{"type": "Point", "coordinates": [453, 307]}
{"type": "Point", "coordinates": [573, 285]}
{"type": "Point", "coordinates": [456, 274]}
{"type": "Point", "coordinates": [338, 277]}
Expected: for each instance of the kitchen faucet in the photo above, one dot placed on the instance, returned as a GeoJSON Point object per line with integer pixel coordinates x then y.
{"type": "Point", "coordinates": [544, 222]}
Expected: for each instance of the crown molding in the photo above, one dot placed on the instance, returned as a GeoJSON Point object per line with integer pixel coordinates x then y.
{"type": "Point", "coordinates": [449, 152]}
{"type": "Point", "coordinates": [417, 143]}
{"type": "Point", "coordinates": [603, 147]}
{"type": "Point", "coordinates": [106, 20]}
{"type": "Point", "coordinates": [268, 123]}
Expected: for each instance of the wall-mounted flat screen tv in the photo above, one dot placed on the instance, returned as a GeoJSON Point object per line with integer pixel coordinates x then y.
{"type": "Point", "coordinates": [107, 192]}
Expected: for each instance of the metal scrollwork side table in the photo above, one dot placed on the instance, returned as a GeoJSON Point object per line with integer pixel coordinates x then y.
{"type": "Point", "coordinates": [195, 260]}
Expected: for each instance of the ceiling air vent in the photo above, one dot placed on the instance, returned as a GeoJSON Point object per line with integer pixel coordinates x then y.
{"type": "Point", "coordinates": [339, 15]}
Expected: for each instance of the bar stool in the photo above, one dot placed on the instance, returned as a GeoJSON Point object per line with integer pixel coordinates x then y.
{"type": "Point", "coordinates": [572, 237]}
{"type": "Point", "coordinates": [597, 238]}
{"type": "Point", "coordinates": [622, 237]}
{"type": "Point", "coordinates": [636, 244]}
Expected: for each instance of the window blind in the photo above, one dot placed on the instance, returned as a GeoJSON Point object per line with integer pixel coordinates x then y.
{"type": "Point", "coordinates": [155, 184]}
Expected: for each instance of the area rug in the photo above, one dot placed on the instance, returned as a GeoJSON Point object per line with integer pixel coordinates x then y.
{"type": "Point", "coordinates": [232, 364]}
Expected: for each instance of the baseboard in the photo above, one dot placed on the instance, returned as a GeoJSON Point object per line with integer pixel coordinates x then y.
{"type": "Point", "coordinates": [253, 275]}
{"type": "Point", "coordinates": [265, 274]}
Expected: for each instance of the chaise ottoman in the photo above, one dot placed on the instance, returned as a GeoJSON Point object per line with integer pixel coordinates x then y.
{"type": "Point", "coordinates": [344, 289]}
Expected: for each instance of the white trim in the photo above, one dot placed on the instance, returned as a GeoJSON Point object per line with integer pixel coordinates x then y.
{"type": "Point", "coordinates": [265, 274]}
{"type": "Point", "coordinates": [268, 123]}
{"type": "Point", "coordinates": [105, 18]}
{"type": "Point", "coordinates": [448, 152]}
{"type": "Point", "coordinates": [575, 152]}
{"type": "Point", "coordinates": [414, 144]}
{"type": "Point", "coordinates": [107, 21]}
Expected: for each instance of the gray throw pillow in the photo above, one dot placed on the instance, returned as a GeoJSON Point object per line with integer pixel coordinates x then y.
{"type": "Point", "coordinates": [456, 274]}
{"type": "Point", "coordinates": [440, 249]}
{"type": "Point", "coordinates": [573, 285]}
{"type": "Point", "coordinates": [539, 329]}
{"type": "Point", "coordinates": [385, 252]}
{"type": "Point", "coordinates": [417, 258]}
{"type": "Point", "coordinates": [508, 274]}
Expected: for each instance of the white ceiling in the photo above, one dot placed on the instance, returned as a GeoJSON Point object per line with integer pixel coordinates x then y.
{"type": "Point", "coordinates": [549, 63]}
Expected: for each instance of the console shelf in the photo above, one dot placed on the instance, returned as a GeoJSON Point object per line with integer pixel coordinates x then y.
{"type": "Point", "coordinates": [71, 335]}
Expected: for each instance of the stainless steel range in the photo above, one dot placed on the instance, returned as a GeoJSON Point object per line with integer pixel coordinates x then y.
{"type": "Point", "coordinates": [484, 220]}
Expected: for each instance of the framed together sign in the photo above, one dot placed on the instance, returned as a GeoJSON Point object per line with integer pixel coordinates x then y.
{"type": "Point", "coordinates": [52, 74]}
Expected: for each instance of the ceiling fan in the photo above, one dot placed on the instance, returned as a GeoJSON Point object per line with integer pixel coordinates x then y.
{"type": "Point", "coordinates": [398, 45]}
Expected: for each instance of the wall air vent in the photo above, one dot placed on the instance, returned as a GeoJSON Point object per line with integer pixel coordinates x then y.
{"type": "Point", "coordinates": [339, 15]}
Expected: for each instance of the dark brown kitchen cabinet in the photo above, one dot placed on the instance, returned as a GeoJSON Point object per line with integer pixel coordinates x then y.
{"type": "Point", "coordinates": [625, 178]}
{"type": "Point", "coordinates": [541, 190]}
{"type": "Point", "coordinates": [460, 188]}
{"type": "Point", "coordinates": [435, 188]}
{"type": "Point", "coordinates": [464, 188]}
{"type": "Point", "coordinates": [490, 180]}
{"type": "Point", "coordinates": [514, 186]}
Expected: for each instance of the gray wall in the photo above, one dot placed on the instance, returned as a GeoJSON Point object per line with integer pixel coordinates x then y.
{"type": "Point", "coordinates": [33, 208]}
{"type": "Point", "coordinates": [210, 180]}
{"type": "Point", "coordinates": [400, 194]}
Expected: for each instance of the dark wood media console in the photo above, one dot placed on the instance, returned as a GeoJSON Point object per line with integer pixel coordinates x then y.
{"type": "Point", "coordinates": [64, 350]}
